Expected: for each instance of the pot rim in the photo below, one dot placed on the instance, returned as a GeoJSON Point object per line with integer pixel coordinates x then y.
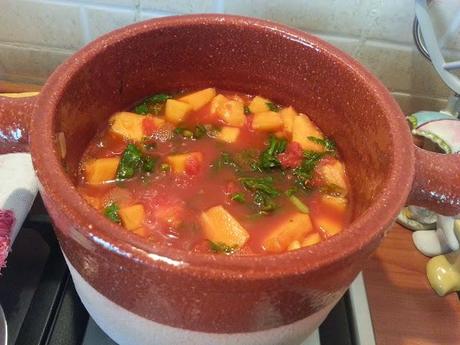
{"type": "Point", "coordinates": [60, 191]}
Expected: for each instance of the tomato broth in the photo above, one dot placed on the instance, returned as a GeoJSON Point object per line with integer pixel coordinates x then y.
{"type": "Point", "coordinates": [217, 172]}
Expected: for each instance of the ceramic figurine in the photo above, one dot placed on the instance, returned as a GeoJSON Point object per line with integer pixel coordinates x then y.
{"type": "Point", "coordinates": [434, 234]}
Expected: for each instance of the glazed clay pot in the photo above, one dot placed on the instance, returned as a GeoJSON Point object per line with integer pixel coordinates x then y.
{"type": "Point", "coordinates": [143, 294]}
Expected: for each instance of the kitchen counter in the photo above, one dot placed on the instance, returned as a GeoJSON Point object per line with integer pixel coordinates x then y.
{"type": "Point", "coordinates": [405, 310]}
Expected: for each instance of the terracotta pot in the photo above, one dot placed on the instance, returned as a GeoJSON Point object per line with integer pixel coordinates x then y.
{"type": "Point", "coordinates": [158, 295]}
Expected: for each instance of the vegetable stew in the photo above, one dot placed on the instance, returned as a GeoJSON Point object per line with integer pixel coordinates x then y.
{"type": "Point", "coordinates": [217, 172]}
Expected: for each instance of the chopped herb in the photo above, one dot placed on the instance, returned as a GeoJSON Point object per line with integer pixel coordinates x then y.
{"type": "Point", "coordinates": [263, 192]}
{"type": "Point", "coordinates": [269, 157]}
{"type": "Point", "coordinates": [111, 212]}
{"type": "Point", "coordinates": [179, 130]}
{"type": "Point", "coordinates": [328, 144]}
{"type": "Point", "coordinates": [263, 184]}
{"type": "Point", "coordinates": [159, 98]}
{"type": "Point", "coordinates": [291, 191]}
{"type": "Point", "coordinates": [199, 132]}
{"type": "Point", "coordinates": [299, 204]}
{"type": "Point", "coordinates": [165, 167]}
{"type": "Point", "coordinates": [148, 163]}
{"type": "Point", "coordinates": [239, 197]}
{"type": "Point", "coordinates": [248, 160]}
{"type": "Point", "coordinates": [225, 160]}
{"type": "Point", "coordinates": [222, 248]}
{"type": "Point", "coordinates": [247, 111]}
{"type": "Point", "coordinates": [273, 106]}
{"type": "Point", "coordinates": [187, 133]}
{"type": "Point", "coordinates": [152, 104]}
{"type": "Point", "coordinates": [132, 160]}
{"type": "Point", "coordinates": [264, 202]}
{"type": "Point", "coordinates": [304, 172]}
{"type": "Point", "coordinates": [142, 109]}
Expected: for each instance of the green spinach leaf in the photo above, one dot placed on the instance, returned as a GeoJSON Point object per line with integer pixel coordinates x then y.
{"type": "Point", "coordinates": [269, 157]}
{"type": "Point", "coordinates": [152, 104]}
{"type": "Point", "coordinates": [111, 212]}
{"type": "Point", "coordinates": [222, 248]}
{"type": "Point", "coordinates": [132, 161]}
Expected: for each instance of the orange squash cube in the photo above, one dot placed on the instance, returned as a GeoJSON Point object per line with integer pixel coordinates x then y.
{"type": "Point", "coordinates": [178, 162]}
{"type": "Point", "coordinates": [311, 240]}
{"type": "Point", "coordinates": [129, 125]}
{"type": "Point", "coordinates": [267, 121]}
{"type": "Point", "coordinates": [232, 113]}
{"type": "Point", "coordinates": [294, 245]}
{"type": "Point", "coordinates": [328, 225]}
{"type": "Point", "coordinates": [228, 134]}
{"type": "Point", "coordinates": [176, 111]}
{"type": "Point", "coordinates": [200, 98]}
{"type": "Point", "coordinates": [132, 217]}
{"type": "Point", "coordinates": [295, 228]}
{"type": "Point", "coordinates": [304, 128]}
{"type": "Point", "coordinates": [288, 115]}
{"type": "Point", "coordinates": [219, 226]}
{"type": "Point", "coordinates": [101, 170]}
{"type": "Point", "coordinates": [335, 202]}
{"type": "Point", "coordinates": [259, 105]}
{"type": "Point", "coordinates": [333, 173]}
{"type": "Point", "coordinates": [218, 102]}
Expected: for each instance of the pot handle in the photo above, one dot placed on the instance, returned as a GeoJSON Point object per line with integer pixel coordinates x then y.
{"type": "Point", "coordinates": [436, 183]}
{"type": "Point", "coordinates": [16, 110]}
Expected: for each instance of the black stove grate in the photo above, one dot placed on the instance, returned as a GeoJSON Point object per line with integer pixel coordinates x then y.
{"type": "Point", "coordinates": [42, 306]}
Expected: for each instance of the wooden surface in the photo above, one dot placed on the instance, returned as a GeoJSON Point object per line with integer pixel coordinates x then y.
{"type": "Point", "coordinates": [6, 86]}
{"type": "Point", "coordinates": [405, 310]}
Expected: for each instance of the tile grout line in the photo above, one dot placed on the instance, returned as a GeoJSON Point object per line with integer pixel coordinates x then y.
{"type": "Point", "coordinates": [30, 46]}
{"type": "Point", "coordinates": [84, 24]}
{"type": "Point", "coordinates": [137, 10]}
{"type": "Point", "coordinates": [363, 37]}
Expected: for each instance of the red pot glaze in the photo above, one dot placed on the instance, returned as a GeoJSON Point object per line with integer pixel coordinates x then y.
{"type": "Point", "coordinates": [207, 292]}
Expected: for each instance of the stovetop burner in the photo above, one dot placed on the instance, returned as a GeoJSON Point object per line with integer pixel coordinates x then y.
{"type": "Point", "coordinates": [42, 307]}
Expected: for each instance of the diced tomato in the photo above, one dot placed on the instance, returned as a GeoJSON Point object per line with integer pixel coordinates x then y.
{"type": "Point", "coordinates": [292, 156]}
{"type": "Point", "coordinates": [192, 166]}
{"type": "Point", "coordinates": [149, 126]}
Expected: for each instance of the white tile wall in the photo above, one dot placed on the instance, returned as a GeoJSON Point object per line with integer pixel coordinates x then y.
{"type": "Point", "coordinates": [37, 35]}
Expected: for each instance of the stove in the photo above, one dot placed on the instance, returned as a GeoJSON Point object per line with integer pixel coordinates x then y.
{"type": "Point", "coordinates": [42, 307]}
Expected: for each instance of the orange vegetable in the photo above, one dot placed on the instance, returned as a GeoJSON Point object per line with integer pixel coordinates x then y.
{"type": "Point", "coordinates": [176, 111]}
{"type": "Point", "coordinates": [259, 105]}
{"type": "Point", "coordinates": [304, 128]}
{"type": "Point", "coordinates": [228, 134]}
{"type": "Point", "coordinates": [294, 228]}
{"type": "Point", "coordinates": [178, 162]}
{"type": "Point", "coordinates": [232, 113]}
{"type": "Point", "coordinates": [101, 170]}
{"type": "Point", "coordinates": [288, 115]}
{"type": "Point", "coordinates": [333, 174]}
{"type": "Point", "coordinates": [329, 226]}
{"type": "Point", "coordinates": [220, 227]}
{"type": "Point", "coordinates": [200, 98]}
{"type": "Point", "coordinates": [132, 217]}
{"type": "Point", "coordinates": [268, 121]}
{"type": "Point", "coordinates": [311, 240]}
{"type": "Point", "coordinates": [129, 125]}
{"type": "Point", "coordinates": [337, 203]}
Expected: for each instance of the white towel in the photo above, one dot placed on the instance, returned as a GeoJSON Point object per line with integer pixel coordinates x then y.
{"type": "Point", "coordinates": [18, 188]}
